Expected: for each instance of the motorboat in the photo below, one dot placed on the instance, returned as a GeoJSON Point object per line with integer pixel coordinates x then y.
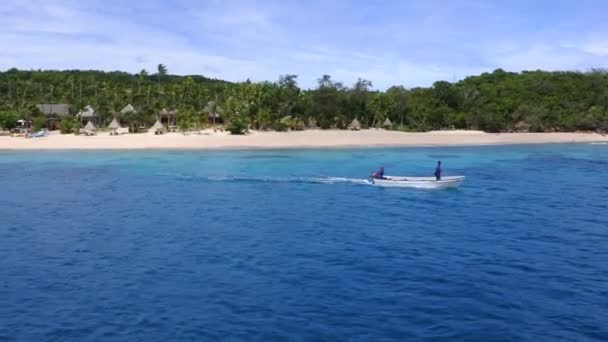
{"type": "Point", "coordinates": [419, 182]}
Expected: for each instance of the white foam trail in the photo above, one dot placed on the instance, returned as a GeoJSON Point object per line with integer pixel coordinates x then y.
{"type": "Point", "coordinates": [310, 180]}
{"type": "Point", "coordinates": [334, 180]}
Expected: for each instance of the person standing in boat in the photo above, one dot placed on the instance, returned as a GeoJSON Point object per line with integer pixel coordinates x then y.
{"type": "Point", "coordinates": [379, 174]}
{"type": "Point", "coordinates": [438, 171]}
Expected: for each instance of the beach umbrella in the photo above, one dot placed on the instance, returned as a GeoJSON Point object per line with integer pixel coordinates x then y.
{"type": "Point", "coordinates": [387, 123]}
{"type": "Point", "coordinates": [114, 124]}
{"type": "Point", "coordinates": [90, 127]}
{"type": "Point", "coordinates": [354, 125]}
{"type": "Point", "coordinates": [157, 125]}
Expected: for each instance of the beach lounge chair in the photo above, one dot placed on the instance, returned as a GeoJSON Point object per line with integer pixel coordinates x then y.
{"type": "Point", "coordinates": [119, 131]}
{"type": "Point", "coordinates": [89, 129]}
{"type": "Point", "coordinates": [87, 132]}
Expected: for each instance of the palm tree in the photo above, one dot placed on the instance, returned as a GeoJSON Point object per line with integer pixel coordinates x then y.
{"type": "Point", "coordinates": [140, 78]}
{"type": "Point", "coordinates": [213, 109]}
{"type": "Point", "coordinates": [162, 71]}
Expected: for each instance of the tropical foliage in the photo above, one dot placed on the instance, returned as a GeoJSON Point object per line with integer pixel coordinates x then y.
{"type": "Point", "coordinates": [69, 124]}
{"type": "Point", "coordinates": [497, 101]}
{"type": "Point", "coordinates": [38, 123]}
{"type": "Point", "coordinates": [8, 120]}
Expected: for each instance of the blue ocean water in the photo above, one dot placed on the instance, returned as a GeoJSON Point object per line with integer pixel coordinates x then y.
{"type": "Point", "coordinates": [294, 245]}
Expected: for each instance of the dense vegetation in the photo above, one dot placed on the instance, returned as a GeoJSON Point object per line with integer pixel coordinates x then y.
{"type": "Point", "coordinates": [497, 101]}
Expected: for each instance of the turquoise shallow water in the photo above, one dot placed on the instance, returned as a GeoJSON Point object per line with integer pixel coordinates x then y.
{"type": "Point", "coordinates": [275, 245]}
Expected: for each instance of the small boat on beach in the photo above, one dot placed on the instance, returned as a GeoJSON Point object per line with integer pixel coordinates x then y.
{"type": "Point", "coordinates": [419, 182]}
{"type": "Point", "coordinates": [41, 133]}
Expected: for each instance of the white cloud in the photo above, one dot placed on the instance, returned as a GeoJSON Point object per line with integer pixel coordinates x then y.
{"type": "Point", "coordinates": [64, 37]}
{"type": "Point", "coordinates": [413, 44]}
{"type": "Point", "coordinates": [546, 57]}
{"type": "Point", "coordinates": [597, 48]}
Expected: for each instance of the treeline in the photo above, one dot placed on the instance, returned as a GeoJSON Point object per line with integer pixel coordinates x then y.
{"type": "Point", "coordinates": [498, 101]}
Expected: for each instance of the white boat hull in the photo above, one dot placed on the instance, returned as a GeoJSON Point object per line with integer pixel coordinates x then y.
{"type": "Point", "coordinates": [420, 182]}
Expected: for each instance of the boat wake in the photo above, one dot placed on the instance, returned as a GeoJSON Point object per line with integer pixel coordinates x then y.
{"type": "Point", "coordinates": [301, 180]}
{"type": "Point", "coordinates": [305, 180]}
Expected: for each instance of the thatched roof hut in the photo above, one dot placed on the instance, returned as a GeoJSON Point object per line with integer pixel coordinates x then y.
{"type": "Point", "coordinates": [167, 116]}
{"type": "Point", "coordinates": [128, 109]}
{"type": "Point", "coordinates": [51, 109]}
{"type": "Point", "coordinates": [164, 112]}
{"type": "Point", "coordinates": [354, 125]}
{"type": "Point", "coordinates": [214, 112]}
{"type": "Point", "coordinates": [87, 113]}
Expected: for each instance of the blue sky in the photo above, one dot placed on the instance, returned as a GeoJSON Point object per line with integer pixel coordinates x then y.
{"type": "Point", "coordinates": [405, 42]}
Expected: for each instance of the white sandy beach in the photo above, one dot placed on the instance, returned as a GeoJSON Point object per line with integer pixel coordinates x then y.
{"type": "Point", "coordinates": [302, 139]}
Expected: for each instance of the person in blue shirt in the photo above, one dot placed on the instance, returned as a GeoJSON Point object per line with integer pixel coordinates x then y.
{"type": "Point", "coordinates": [379, 174]}
{"type": "Point", "coordinates": [438, 171]}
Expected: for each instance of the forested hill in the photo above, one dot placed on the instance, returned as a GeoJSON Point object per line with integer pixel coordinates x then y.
{"type": "Point", "coordinates": [497, 101]}
{"type": "Point", "coordinates": [21, 89]}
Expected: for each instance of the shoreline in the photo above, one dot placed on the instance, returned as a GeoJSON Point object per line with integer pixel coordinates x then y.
{"type": "Point", "coordinates": [309, 139]}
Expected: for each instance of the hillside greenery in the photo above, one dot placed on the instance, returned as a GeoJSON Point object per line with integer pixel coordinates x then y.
{"type": "Point", "coordinates": [499, 101]}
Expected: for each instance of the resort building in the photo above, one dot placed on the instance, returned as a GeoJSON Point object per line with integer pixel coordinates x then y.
{"type": "Point", "coordinates": [88, 114]}
{"type": "Point", "coordinates": [53, 113]}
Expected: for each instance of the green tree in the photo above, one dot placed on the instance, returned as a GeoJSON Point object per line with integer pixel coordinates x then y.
{"type": "Point", "coordinates": [141, 77]}
{"type": "Point", "coordinates": [186, 119]}
{"type": "Point", "coordinates": [38, 123]}
{"type": "Point", "coordinates": [135, 119]}
{"type": "Point", "coordinates": [68, 124]}
{"type": "Point", "coordinates": [236, 110]}
{"type": "Point", "coordinates": [399, 109]}
{"type": "Point", "coordinates": [8, 120]}
{"type": "Point", "coordinates": [289, 93]}
{"type": "Point", "coordinates": [262, 120]}
{"type": "Point", "coordinates": [358, 104]}
{"type": "Point", "coordinates": [161, 73]}
{"type": "Point", "coordinates": [380, 107]}
{"type": "Point", "coordinates": [327, 101]}
{"type": "Point", "coordinates": [493, 101]}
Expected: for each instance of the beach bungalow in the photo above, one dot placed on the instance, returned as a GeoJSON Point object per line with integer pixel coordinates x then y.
{"type": "Point", "coordinates": [53, 113]}
{"type": "Point", "coordinates": [128, 109]}
{"type": "Point", "coordinates": [354, 125]}
{"type": "Point", "coordinates": [213, 111]}
{"type": "Point", "coordinates": [168, 117]}
{"type": "Point", "coordinates": [87, 114]}
{"type": "Point", "coordinates": [215, 118]}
